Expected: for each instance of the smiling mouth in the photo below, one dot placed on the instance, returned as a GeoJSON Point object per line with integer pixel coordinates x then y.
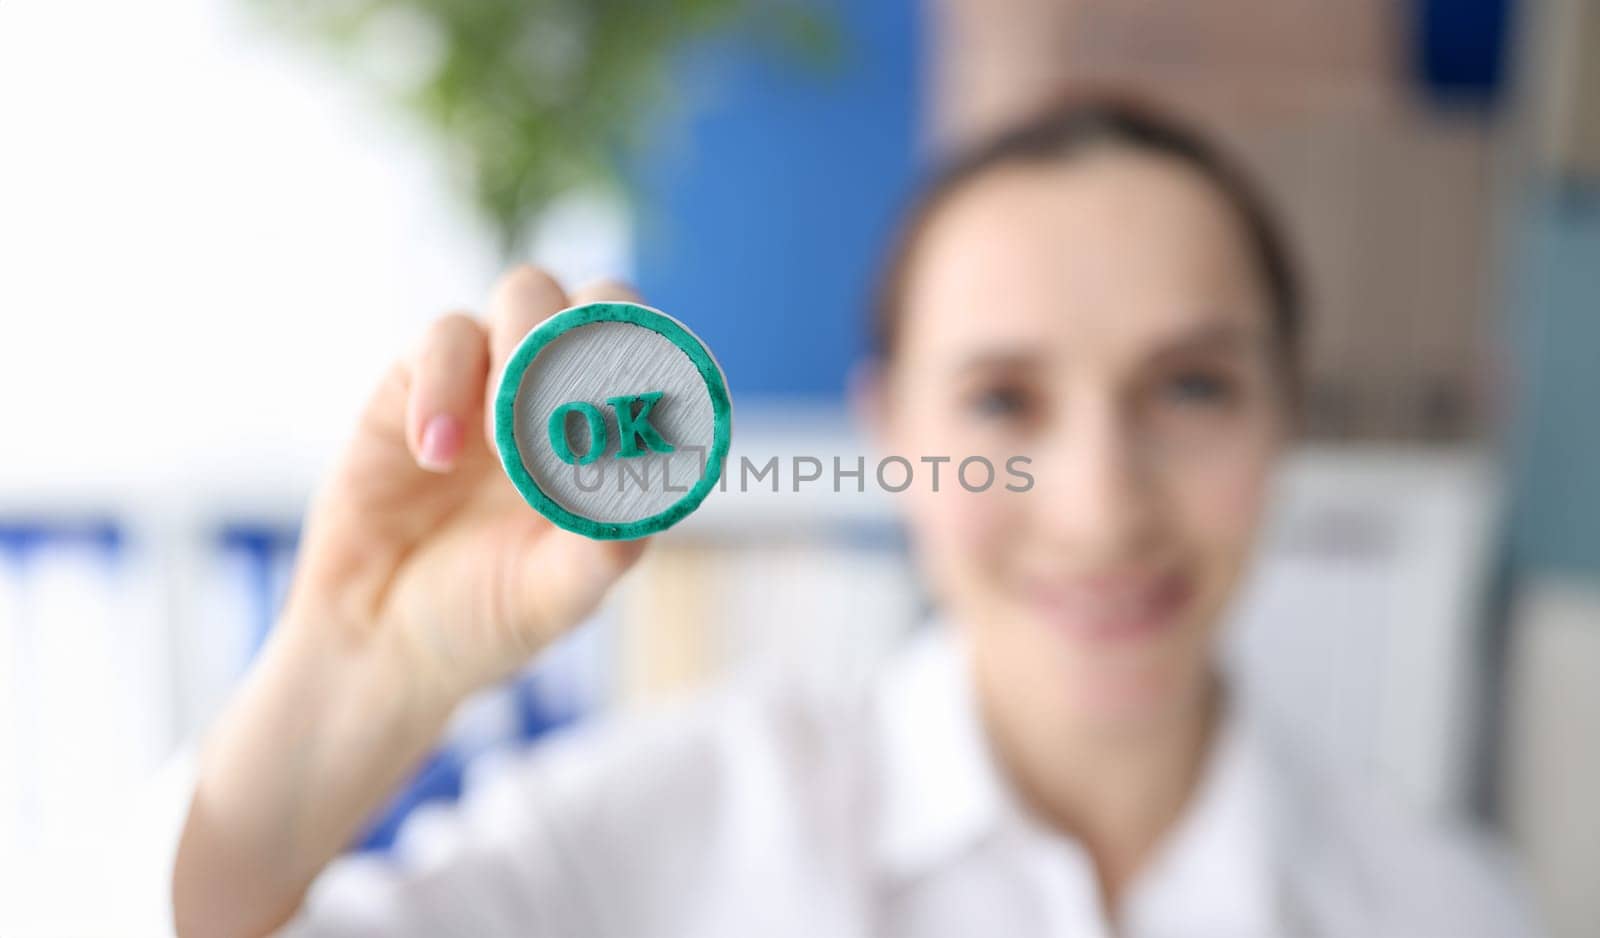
{"type": "Point", "coordinates": [1112, 609]}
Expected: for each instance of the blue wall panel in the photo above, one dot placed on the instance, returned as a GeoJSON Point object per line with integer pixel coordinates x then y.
{"type": "Point", "coordinates": [766, 209]}
{"type": "Point", "coordinates": [1555, 512]}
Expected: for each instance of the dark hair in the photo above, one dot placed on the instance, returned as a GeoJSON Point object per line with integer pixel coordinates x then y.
{"type": "Point", "coordinates": [1070, 127]}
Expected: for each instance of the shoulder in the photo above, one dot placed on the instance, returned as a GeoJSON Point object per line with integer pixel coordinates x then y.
{"type": "Point", "coordinates": [1354, 847]}
{"type": "Point", "coordinates": [750, 785]}
{"type": "Point", "coordinates": [763, 736]}
{"type": "Point", "coordinates": [617, 826]}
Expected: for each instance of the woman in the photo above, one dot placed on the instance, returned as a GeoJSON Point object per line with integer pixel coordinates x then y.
{"type": "Point", "coordinates": [1095, 290]}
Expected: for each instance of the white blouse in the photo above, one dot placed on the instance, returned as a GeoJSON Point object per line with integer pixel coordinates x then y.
{"type": "Point", "coordinates": [769, 809]}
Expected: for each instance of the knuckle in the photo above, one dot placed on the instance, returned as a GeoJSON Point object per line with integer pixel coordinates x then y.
{"type": "Point", "coordinates": [610, 288]}
{"type": "Point", "coordinates": [450, 337]}
{"type": "Point", "coordinates": [451, 328]}
{"type": "Point", "coordinates": [525, 295]}
{"type": "Point", "coordinates": [382, 415]}
{"type": "Point", "coordinates": [527, 275]}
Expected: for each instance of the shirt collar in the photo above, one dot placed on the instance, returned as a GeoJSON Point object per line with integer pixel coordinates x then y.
{"type": "Point", "coordinates": [943, 793]}
{"type": "Point", "coordinates": [941, 790]}
{"type": "Point", "coordinates": [1222, 856]}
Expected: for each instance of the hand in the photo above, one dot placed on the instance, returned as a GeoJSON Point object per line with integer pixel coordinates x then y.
{"type": "Point", "coordinates": [422, 576]}
{"type": "Point", "coordinates": [420, 544]}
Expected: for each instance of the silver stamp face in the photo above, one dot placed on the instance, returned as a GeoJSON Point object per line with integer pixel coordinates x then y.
{"type": "Point", "coordinates": [612, 419]}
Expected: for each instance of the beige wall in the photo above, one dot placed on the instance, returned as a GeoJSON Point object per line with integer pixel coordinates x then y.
{"type": "Point", "coordinates": [1387, 200]}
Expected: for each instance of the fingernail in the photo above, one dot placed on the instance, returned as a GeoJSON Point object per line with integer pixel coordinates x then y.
{"type": "Point", "coordinates": [441, 443]}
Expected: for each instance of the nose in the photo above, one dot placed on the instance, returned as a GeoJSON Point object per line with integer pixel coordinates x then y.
{"type": "Point", "coordinates": [1098, 502]}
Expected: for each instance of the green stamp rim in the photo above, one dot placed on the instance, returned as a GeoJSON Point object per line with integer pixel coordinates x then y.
{"type": "Point", "coordinates": [511, 382]}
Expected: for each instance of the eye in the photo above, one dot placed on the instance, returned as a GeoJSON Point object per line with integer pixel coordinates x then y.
{"type": "Point", "coordinates": [1199, 387]}
{"type": "Point", "coordinates": [1002, 403]}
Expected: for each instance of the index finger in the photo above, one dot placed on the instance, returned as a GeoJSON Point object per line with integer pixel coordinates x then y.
{"type": "Point", "coordinates": [524, 297]}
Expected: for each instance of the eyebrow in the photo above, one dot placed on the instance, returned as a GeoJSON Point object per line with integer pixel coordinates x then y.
{"type": "Point", "coordinates": [1212, 337]}
{"type": "Point", "coordinates": [1001, 360]}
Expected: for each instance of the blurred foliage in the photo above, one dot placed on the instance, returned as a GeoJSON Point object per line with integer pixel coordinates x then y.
{"type": "Point", "coordinates": [533, 98]}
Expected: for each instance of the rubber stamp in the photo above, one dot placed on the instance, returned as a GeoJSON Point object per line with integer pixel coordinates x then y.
{"type": "Point", "coordinates": [613, 420]}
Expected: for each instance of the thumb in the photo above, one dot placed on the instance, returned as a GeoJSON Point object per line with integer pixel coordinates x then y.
{"type": "Point", "coordinates": [566, 575]}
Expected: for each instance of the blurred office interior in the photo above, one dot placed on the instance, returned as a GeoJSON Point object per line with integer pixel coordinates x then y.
{"type": "Point", "coordinates": [216, 228]}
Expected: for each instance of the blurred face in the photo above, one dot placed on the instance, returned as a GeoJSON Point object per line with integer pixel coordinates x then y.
{"type": "Point", "coordinates": [1102, 318]}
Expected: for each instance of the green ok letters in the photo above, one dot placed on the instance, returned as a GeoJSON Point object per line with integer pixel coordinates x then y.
{"type": "Point", "coordinates": [635, 427]}
{"type": "Point", "coordinates": [631, 426]}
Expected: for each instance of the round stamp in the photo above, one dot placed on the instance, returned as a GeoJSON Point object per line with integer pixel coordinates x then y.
{"type": "Point", "coordinates": [613, 420]}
